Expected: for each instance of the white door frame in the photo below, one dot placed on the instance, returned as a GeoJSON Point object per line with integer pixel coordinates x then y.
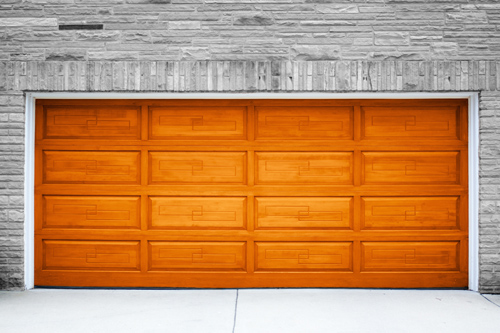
{"type": "Point", "coordinates": [29, 167]}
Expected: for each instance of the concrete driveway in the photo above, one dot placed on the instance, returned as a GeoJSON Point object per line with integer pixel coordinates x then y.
{"type": "Point", "coordinates": [248, 310]}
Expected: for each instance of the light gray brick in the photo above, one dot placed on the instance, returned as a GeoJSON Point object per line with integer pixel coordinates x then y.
{"type": "Point", "coordinates": [28, 21]}
{"type": "Point", "coordinates": [184, 25]}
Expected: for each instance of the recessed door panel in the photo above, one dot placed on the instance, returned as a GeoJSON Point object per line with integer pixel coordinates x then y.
{"type": "Point", "coordinates": [416, 123]}
{"type": "Point", "coordinates": [197, 167]}
{"type": "Point", "coordinates": [91, 167]}
{"type": "Point", "coordinates": [92, 122]}
{"type": "Point", "coordinates": [89, 212]}
{"type": "Point", "coordinates": [399, 168]}
{"type": "Point", "coordinates": [289, 122]}
{"type": "Point", "coordinates": [303, 256]}
{"type": "Point", "coordinates": [304, 168]}
{"type": "Point", "coordinates": [201, 122]}
{"type": "Point", "coordinates": [303, 213]}
{"type": "Point", "coordinates": [402, 213]}
{"type": "Point", "coordinates": [197, 213]}
{"type": "Point", "coordinates": [205, 256]}
{"type": "Point", "coordinates": [91, 255]}
{"type": "Point", "coordinates": [410, 256]}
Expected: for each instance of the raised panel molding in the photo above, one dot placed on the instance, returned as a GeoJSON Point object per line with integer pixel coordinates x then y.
{"type": "Point", "coordinates": [288, 122]}
{"type": "Point", "coordinates": [304, 168]}
{"type": "Point", "coordinates": [197, 213]}
{"type": "Point", "coordinates": [197, 167]}
{"type": "Point", "coordinates": [399, 168]}
{"type": "Point", "coordinates": [418, 123]}
{"type": "Point", "coordinates": [303, 256]}
{"type": "Point", "coordinates": [91, 255]}
{"type": "Point", "coordinates": [303, 213]}
{"type": "Point", "coordinates": [417, 213]}
{"type": "Point", "coordinates": [211, 256]}
{"type": "Point", "coordinates": [410, 256]}
{"type": "Point", "coordinates": [91, 167]}
{"type": "Point", "coordinates": [200, 122]}
{"type": "Point", "coordinates": [91, 212]}
{"type": "Point", "coordinates": [69, 122]}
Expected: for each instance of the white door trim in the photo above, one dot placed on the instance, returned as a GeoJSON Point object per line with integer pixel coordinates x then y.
{"type": "Point", "coordinates": [29, 167]}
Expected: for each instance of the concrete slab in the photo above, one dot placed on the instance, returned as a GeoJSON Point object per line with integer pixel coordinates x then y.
{"type": "Point", "coordinates": [493, 298]}
{"type": "Point", "coordinates": [257, 310]}
{"type": "Point", "coordinates": [69, 310]}
{"type": "Point", "coordinates": [348, 310]}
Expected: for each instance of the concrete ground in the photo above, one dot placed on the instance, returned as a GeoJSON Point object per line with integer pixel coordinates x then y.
{"type": "Point", "coordinates": [248, 310]}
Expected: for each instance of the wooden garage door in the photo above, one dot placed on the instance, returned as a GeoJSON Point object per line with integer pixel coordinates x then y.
{"type": "Point", "coordinates": [251, 193]}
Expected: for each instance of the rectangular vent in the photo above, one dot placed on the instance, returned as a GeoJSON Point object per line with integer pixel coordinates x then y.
{"type": "Point", "coordinates": [81, 26]}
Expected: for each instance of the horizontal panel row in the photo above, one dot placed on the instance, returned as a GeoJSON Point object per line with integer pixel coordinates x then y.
{"type": "Point", "coordinates": [232, 256]}
{"type": "Point", "coordinates": [271, 168]}
{"type": "Point", "coordinates": [217, 213]}
{"type": "Point", "coordinates": [271, 122]}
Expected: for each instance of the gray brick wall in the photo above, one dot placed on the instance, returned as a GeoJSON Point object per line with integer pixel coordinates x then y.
{"type": "Point", "coordinates": [243, 45]}
{"type": "Point", "coordinates": [489, 192]}
{"type": "Point", "coordinates": [250, 30]}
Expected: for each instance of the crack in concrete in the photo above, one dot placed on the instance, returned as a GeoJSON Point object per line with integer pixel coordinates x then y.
{"type": "Point", "coordinates": [235, 310]}
{"type": "Point", "coordinates": [486, 298]}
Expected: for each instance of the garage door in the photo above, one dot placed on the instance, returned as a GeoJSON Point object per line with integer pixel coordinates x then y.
{"type": "Point", "coordinates": [251, 193]}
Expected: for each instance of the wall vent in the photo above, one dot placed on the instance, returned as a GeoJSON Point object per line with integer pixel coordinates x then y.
{"type": "Point", "coordinates": [81, 26]}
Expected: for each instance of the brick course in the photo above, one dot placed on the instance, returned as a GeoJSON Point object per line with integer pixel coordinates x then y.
{"type": "Point", "coordinates": [247, 46]}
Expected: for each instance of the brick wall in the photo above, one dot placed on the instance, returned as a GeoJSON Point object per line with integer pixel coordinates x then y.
{"type": "Point", "coordinates": [243, 45]}
{"type": "Point", "coordinates": [249, 30]}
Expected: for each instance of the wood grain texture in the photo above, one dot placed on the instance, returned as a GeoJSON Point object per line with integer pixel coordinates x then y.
{"type": "Point", "coordinates": [411, 168]}
{"type": "Point", "coordinates": [406, 256]}
{"type": "Point", "coordinates": [410, 213]}
{"type": "Point", "coordinates": [202, 123]}
{"type": "Point", "coordinates": [197, 167]}
{"type": "Point", "coordinates": [415, 123]}
{"type": "Point", "coordinates": [92, 122]}
{"type": "Point", "coordinates": [288, 123]}
{"type": "Point", "coordinates": [83, 167]}
{"type": "Point", "coordinates": [89, 212]}
{"type": "Point", "coordinates": [193, 256]}
{"type": "Point", "coordinates": [304, 168]}
{"type": "Point", "coordinates": [197, 213]}
{"type": "Point", "coordinates": [303, 213]}
{"type": "Point", "coordinates": [303, 256]}
{"type": "Point", "coordinates": [90, 255]}
{"type": "Point", "coordinates": [251, 193]}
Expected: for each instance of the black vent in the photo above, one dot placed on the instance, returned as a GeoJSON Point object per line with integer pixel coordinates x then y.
{"type": "Point", "coordinates": [81, 26]}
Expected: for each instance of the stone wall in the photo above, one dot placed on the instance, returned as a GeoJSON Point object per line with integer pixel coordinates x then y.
{"type": "Point", "coordinates": [247, 46]}
{"type": "Point", "coordinates": [82, 30]}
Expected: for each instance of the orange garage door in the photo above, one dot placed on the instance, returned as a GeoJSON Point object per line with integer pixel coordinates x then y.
{"type": "Point", "coordinates": [251, 193]}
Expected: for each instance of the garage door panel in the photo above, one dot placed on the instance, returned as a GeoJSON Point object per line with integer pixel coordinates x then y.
{"type": "Point", "coordinates": [426, 168]}
{"type": "Point", "coordinates": [303, 256]}
{"type": "Point", "coordinates": [195, 256]}
{"type": "Point", "coordinates": [251, 193]}
{"type": "Point", "coordinates": [200, 122]}
{"type": "Point", "coordinates": [197, 167]}
{"type": "Point", "coordinates": [414, 213]}
{"type": "Point", "coordinates": [288, 122]}
{"type": "Point", "coordinates": [415, 123]}
{"type": "Point", "coordinates": [304, 167]}
{"type": "Point", "coordinates": [197, 213]}
{"type": "Point", "coordinates": [89, 212]}
{"type": "Point", "coordinates": [303, 213]}
{"type": "Point", "coordinates": [91, 122]}
{"type": "Point", "coordinates": [414, 256]}
{"type": "Point", "coordinates": [91, 255]}
{"type": "Point", "coordinates": [91, 167]}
